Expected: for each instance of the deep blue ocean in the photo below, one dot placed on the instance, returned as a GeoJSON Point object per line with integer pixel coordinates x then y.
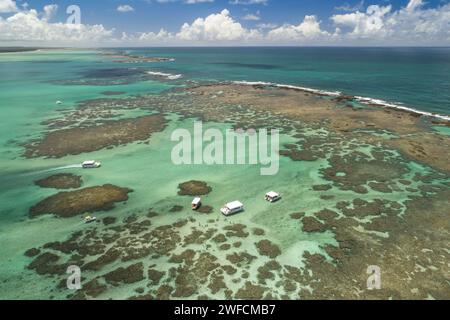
{"type": "Point", "coordinates": [413, 77]}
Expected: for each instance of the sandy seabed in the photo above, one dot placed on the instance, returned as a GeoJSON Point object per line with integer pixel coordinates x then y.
{"type": "Point", "coordinates": [362, 185]}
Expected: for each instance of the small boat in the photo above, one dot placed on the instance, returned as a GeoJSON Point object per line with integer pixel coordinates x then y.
{"type": "Point", "coordinates": [196, 203]}
{"type": "Point", "coordinates": [90, 164]}
{"type": "Point", "coordinates": [232, 208]}
{"type": "Point", "coordinates": [59, 102]}
{"type": "Point", "coordinates": [89, 219]}
{"type": "Point", "coordinates": [272, 196]}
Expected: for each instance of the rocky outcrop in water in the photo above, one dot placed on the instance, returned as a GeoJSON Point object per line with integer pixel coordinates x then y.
{"type": "Point", "coordinates": [77, 140]}
{"type": "Point", "coordinates": [60, 181]}
{"type": "Point", "coordinates": [194, 188]}
{"type": "Point", "coordinates": [87, 200]}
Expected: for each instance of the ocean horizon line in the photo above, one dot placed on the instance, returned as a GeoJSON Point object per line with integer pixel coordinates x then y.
{"type": "Point", "coordinates": [229, 46]}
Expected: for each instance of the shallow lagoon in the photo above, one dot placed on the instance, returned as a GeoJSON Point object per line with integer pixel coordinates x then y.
{"type": "Point", "coordinates": [148, 170]}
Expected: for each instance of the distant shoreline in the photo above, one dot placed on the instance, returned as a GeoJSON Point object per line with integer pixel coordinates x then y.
{"type": "Point", "coordinates": [16, 49]}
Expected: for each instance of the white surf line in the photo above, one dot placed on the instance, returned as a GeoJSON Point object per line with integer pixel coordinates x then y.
{"type": "Point", "coordinates": [364, 100]}
{"type": "Point", "coordinates": [383, 103]}
{"type": "Point", "coordinates": [287, 86]}
{"type": "Point", "coordinates": [168, 76]}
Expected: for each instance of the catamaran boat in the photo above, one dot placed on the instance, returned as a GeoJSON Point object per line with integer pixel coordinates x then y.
{"type": "Point", "coordinates": [89, 219]}
{"type": "Point", "coordinates": [272, 196]}
{"type": "Point", "coordinates": [91, 164]}
{"type": "Point", "coordinates": [232, 208]}
{"type": "Point", "coordinates": [196, 203]}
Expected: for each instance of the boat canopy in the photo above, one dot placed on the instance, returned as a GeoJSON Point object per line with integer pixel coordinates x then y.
{"type": "Point", "coordinates": [234, 205]}
{"type": "Point", "coordinates": [196, 201]}
{"type": "Point", "coordinates": [89, 162]}
{"type": "Point", "coordinates": [272, 194]}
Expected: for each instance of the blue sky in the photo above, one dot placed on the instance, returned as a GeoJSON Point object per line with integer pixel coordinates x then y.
{"type": "Point", "coordinates": [287, 22]}
{"type": "Point", "coordinates": [151, 14]}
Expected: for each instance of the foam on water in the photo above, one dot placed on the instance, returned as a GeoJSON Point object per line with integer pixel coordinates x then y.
{"type": "Point", "coordinates": [383, 103]}
{"type": "Point", "coordinates": [286, 86]}
{"type": "Point", "coordinates": [168, 76]}
{"type": "Point", "coordinates": [365, 100]}
{"type": "Point", "coordinates": [72, 166]}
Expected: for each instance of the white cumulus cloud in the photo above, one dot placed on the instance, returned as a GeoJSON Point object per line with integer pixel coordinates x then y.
{"type": "Point", "coordinates": [148, 38]}
{"type": "Point", "coordinates": [49, 11]}
{"type": "Point", "coordinates": [8, 6]}
{"type": "Point", "coordinates": [411, 25]}
{"type": "Point", "coordinates": [308, 29]}
{"type": "Point", "coordinates": [28, 27]}
{"type": "Point", "coordinates": [364, 24]}
{"type": "Point", "coordinates": [416, 23]}
{"type": "Point", "coordinates": [125, 8]}
{"type": "Point", "coordinates": [216, 27]}
{"type": "Point", "coordinates": [252, 16]}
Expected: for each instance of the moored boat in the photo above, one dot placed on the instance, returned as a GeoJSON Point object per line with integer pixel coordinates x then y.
{"type": "Point", "coordinates": [232, 208]}
{"type": "Point", "coordinates": [272, 196]}
{"type": "Point", "coordinates": [196, 203]}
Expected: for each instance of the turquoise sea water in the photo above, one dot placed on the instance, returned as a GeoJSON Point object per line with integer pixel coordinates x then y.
{"type": "Point", "coordinates": [30, 84]}
{"type": "Point", "coordinates": [414, 77]}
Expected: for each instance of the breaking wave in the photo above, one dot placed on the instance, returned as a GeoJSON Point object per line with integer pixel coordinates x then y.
{"type": "Point", "coordinates": [364, 100]}
{"type": "Point", "coordinates": [167, 76]}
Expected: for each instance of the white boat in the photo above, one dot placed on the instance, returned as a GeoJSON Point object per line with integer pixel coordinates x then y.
{"type": "Point", "coordinates": [232, 208]}
{"type": "Point", "coordinates": [196, 203]}
{"type": "Point", "coordinates": [89, 219]}
{"type": "Point", "coordinates": [91, 164]}
{"type": "Point", "coordinates": [272, 196]}
{"type": "Point", "coordinates": [59, 102]}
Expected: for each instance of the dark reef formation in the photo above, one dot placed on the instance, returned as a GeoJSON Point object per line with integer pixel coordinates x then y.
{"type": "Point", "coordinates": [194, 188]}
{"type": "Point", "coordinates": [373, 207]}
{"type": "Point", "coordinates": [72, 141]}
{"type": "Point", "coordinates": [60, 181]}
{"type": "Point", "coordinates": [72, 203]}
